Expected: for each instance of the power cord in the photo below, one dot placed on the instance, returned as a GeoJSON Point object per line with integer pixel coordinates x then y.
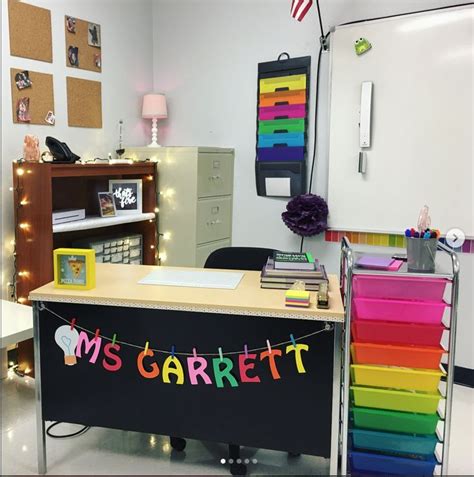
{"type": "Point", "coordinates": [65, 436]}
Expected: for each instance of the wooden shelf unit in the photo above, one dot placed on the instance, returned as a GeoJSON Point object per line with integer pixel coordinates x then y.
{"type": "Point", "coordinates": [40, 188]}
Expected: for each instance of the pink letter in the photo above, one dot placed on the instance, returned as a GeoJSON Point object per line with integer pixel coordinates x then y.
{"type": "Point", "coordinates": [83, 338]}
{"type": "Point", "coordinates": [117, 362]}
{"type": "Point", "coordinates": [199, 371]}
{"type": "Point", "coordinates": [243, 367]}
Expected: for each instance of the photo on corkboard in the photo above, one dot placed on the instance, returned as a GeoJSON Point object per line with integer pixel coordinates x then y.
{"type": "Point", "coordinates": [83, 44]}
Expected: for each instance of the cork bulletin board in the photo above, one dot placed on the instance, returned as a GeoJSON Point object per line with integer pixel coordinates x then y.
{"type": "Point", "coordinates": [84, 103]}
{"type": "Point", "coordinates": [78, 36]}
{"type": "Point", "coordinates": [30, 31]}
{"type": "Point", "coordinates": [40, 93]}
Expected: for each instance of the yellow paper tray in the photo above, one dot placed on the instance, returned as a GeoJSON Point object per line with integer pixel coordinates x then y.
{"type": "Point", "coordinates": [393, 400]}
{"type": "Point", "coordinates": [282, 83]}
{"type": "Point", "coordinates": [396, 378]}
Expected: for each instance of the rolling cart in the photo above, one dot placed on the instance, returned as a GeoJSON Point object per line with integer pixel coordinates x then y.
{"type": "Point", "coordinates": [395, 412]}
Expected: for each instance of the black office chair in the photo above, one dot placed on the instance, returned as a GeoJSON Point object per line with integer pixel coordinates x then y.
{"type": "Point", "coordinates": [233, 258]}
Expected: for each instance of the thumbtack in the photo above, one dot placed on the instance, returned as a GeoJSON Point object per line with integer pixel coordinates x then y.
{"type": "Point", "coordinates": [220, 353]}
{"type": "Point", "coordinates": [269, 347]}
{"type": "Point", "coordinates": [73, 323]}
{"type": "Point", "coordinates": [172, 351]}
{"type": "Point", "coordinates": [114, 338]}
{"type": "Point", "coordinates": [246, 351]}
{"type": "Point", "coordinates": [195, 353]}
{"type": "Point", "coordinates": [97, 331]}
{"type": "Point", "coordinates": [146, 347]}
{"type": "Point", "coordinates": [292, 338]}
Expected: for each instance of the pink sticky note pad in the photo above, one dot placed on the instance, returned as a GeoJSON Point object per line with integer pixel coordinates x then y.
{"type": "Point", "coordinates": [393, 267]}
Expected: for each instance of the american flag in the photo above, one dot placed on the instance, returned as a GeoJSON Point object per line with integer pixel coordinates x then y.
{"type": "Point", "coordinates": [299, 8]}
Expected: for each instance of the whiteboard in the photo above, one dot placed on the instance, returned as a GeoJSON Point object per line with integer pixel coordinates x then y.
{"type": "Point", "coordinates": [421, 152]}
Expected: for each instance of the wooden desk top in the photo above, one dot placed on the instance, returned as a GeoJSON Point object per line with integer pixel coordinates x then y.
{"type": "Point", "coordinates": [117, 285]}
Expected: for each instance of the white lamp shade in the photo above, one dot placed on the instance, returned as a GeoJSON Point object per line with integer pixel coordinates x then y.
{"type": "Point", "coordinates": [154, 106]}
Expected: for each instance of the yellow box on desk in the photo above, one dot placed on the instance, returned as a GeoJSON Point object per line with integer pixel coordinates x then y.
{"type": "Point", "coordinates": [297, 294]}
{"type": "Point", "coordinates": [74, 268]}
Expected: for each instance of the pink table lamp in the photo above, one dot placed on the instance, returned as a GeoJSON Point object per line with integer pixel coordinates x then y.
{"type": "Point", "coordinates": [154, 108]}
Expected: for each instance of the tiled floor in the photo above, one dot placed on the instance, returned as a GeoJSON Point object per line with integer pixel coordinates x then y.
{"type": "Point", "coordinates": [102, 451]}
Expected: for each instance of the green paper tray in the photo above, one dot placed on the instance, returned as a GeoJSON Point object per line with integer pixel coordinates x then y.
{"type": "Point", "coordinates": [394, 421]}
{"type": "Point", "coordinates": [281, 125]}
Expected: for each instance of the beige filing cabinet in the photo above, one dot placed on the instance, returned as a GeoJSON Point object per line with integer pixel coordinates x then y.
{"type": "Point", "coordinates": [195, 186]}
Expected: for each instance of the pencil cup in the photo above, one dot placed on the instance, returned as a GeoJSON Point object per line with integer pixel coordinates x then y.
{"type": "Point", "coordinates": [421, 254]}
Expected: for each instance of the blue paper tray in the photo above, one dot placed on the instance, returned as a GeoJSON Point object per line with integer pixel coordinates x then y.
{"type": "Point", "coordinates": [362, 462]}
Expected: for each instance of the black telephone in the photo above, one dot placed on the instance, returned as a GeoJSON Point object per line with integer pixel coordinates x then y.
{"type": "Point", "coordinates": [60, 151]}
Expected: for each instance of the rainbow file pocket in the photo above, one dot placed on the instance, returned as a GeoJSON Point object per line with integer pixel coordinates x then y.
{"type": "Point", "coordinates": [292, 111]}
{"type": "Point", "coordinates": [282, 83]}
{"type": "Point", "coordinates": [284, 154]}
{"type": "Point", "coordinates": [283, 97]}
{"type": "Point", "coordinates": [282, 126]}
{"type": "Point", "coordinates": [284, 139]}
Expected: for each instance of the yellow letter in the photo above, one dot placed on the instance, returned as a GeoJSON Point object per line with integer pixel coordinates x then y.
{"type": "Point", "coordinates": [177, 369]}
{"type": "Point", "coordinates": [297, 349]}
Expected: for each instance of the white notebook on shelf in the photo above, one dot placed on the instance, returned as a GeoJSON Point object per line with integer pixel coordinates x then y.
{"type": "Point", "coordinates": [193, 278]}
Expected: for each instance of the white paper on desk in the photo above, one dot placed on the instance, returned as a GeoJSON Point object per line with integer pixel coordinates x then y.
{"type": "Point", "coordinates": [192, 278]}
{"type": "Point", "coordinates": [277, 186]}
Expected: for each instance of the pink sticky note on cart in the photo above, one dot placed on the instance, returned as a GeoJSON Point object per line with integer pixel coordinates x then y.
{"type": "Point", "coordinates": [393, 267]}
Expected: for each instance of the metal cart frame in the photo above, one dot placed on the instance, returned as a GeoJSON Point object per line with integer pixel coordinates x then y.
{"type": "Point", "coordinates": [347, 271]}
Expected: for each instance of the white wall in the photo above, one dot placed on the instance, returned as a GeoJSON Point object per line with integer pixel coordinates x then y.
{"type": "Point", "coordinates": [205, 60]}
{"type": "Point", "coordinates": [126, 76]}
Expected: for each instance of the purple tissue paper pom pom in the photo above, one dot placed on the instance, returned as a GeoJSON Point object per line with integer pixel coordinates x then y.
{"type": "Point", "coordinates": [306, 215]}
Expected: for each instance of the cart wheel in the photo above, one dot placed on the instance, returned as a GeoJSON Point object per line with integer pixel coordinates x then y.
{"type": "Point", "coordinates": [238, 469]}
{"type": "Point", "coordinates": [294, 454]}
{"type": "Point", "coordinates": [178, 443]}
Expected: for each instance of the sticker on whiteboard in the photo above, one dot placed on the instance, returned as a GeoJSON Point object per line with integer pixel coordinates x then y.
{"type": "Point", "coordinates": [362, 45]}
{"type": "Point", "coordinates": [278, 186]}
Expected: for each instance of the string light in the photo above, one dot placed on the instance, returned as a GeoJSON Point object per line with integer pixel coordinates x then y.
{"type": "Point", "coordinates": [23, 225]}
{"type": "Point", "coordinates": [23, 273]}
{"type": "Point", "coordinates": [24, 202]}
{"type": "Point", "coordinates": [163, 256]}
{"type": "Point", "coordinates": [149, 177]}
{"type": "Point", "coordinates": [152, 247]}
{"type": "Point", "coordinates": [22, 300]}
{"type": "Point", "coordinates": [20, 171]}
{"type": "Point", "coordinates": [167, 236]}
{"type": "Point", "coordinates": [11, 189]}
{"type": "Point", "coordinates": [156, 210]}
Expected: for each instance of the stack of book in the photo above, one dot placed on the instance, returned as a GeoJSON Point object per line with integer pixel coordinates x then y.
{"type": "Point", "coordinates": [285, 268]}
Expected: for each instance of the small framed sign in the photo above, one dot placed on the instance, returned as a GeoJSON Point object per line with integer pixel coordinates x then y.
{"type": "Point", "coordinates": [74, 268]}
{"type": "Point", "coordinates": [127, 195]}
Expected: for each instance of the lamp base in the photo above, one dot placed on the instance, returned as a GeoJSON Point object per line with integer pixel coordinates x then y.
{"type": "Point", "coordinates": [154, 134]}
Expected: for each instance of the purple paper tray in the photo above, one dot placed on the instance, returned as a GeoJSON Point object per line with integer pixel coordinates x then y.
{"type": "Point", "coordinates": [292, 111]}
{"type": "Point", "coordinates": [280, 154]}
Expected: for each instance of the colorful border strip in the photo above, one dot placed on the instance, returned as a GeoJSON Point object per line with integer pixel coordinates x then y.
{"type": "Point", "coordinates": [384, 240]}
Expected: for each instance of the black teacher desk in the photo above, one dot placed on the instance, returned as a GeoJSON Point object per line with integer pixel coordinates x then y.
{"type": "Point", "coordinates": [294, 407]}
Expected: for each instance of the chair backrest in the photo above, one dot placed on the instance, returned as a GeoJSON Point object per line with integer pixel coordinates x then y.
{"type": "Point", "coordinates": [239, 258]}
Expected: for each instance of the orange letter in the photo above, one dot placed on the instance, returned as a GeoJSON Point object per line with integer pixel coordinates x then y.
{"type": "Point", "coordinates": [155, 371]}
{"type": "Point", "coordinates": [271, 360]}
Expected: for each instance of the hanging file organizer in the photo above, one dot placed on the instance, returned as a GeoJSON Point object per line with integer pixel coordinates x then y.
{"type": "Point", "coordinates": [396, 414]}
{"type": "Point", "coordinates": [282, 121]}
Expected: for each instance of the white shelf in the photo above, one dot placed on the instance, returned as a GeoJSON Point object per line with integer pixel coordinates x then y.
{"type": "Point", "coordinates": [95, 222]}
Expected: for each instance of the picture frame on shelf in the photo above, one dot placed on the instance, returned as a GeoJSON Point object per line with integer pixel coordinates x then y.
{"type": "Point", "coordinates": [127, 194]}
{"type": "Point", "coordinates": [74, 268]}
{"type": "Point", "coordinates": [107, 204]}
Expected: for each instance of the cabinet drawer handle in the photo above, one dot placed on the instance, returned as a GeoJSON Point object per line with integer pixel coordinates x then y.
{"type": "Point", "coordinates": [214, 178]}
{"type": "Point", "coordinates": [214, 222]}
